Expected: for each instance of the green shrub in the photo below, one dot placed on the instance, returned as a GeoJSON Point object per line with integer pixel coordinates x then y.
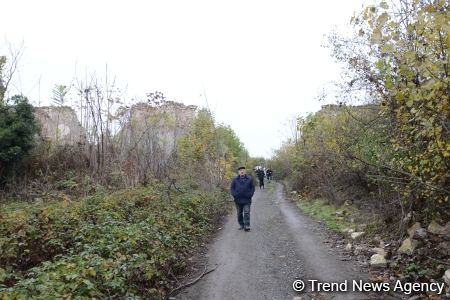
{"type": "Point", "coordinates": [323, 211]}
{"type": "Point", "coordinates": [17, 130]}
{"type": "Point", "coordinates": [397, 57]}
{"type": "Point", "coordinates": [123, 245]}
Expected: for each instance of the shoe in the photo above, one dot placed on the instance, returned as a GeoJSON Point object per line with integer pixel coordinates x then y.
{"type": "Point", "coordinates": [247, 229]}
{"type": "Point", "coordinates": [242, 227]}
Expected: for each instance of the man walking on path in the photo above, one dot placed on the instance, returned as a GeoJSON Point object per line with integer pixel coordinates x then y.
{"type": "Point", "coordinates": [242, 189]}
{"type": "Point", "coordinates": [260, 174]}
{"type": "Point", "coordinates": [269, 174]}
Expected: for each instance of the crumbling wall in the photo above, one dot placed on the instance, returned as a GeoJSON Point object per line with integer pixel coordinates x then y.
{"type": "Point", "coordinates": [147, 140]}
{"type": "Point", "coordinates": [149, 126]}
{"type": "Point", "coordinates": [60, 125]}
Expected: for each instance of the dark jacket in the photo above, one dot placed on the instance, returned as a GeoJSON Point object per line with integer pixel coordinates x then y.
{"type": "Point", "coordinates": [242, 189]}
{"type": "Point", "coordinates": [260, 174]}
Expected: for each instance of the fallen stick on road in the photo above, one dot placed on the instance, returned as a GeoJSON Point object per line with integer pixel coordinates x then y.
{"type": "Point", "coordinates": [193, 281]}
{"type": "Point", "coordinates": [439, 261]}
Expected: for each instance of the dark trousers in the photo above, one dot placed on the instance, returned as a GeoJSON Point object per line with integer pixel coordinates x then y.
{"type": "Point", "coordinates": [243, 214]}
{"type": "Point", "coordinates": [261, 182]}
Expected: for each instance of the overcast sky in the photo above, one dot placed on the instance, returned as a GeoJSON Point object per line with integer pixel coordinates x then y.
{"type": "Point", "coordinates": [260, 62]}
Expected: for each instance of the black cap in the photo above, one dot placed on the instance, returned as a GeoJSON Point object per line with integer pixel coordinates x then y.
{"type": "Point", "coordinates": [240, 168]}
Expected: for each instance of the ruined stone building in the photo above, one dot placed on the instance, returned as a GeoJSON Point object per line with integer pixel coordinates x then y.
{"type": "Point", "coordinates": [60, 125]}
{"type": "Point", "coordinates": [156, 128]}
{"type": "Point", "coordinates": [144, 143]}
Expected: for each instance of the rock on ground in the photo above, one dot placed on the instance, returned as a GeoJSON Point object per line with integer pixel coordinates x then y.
{"type": "Point", "coordinates": [413, 228]}
{"type": "Point", "coordinates": [378, 261]}
{"type": "Point", "coordinates": [434, 227]}
{"type": "Point", "coordinates": [446, 277]}
{"type": "Point", "coordinates": [356, 235]}
{"type": "Point", "coordinates": [408, 246]}
{"type": "Point", "coordinates": [379, 251]}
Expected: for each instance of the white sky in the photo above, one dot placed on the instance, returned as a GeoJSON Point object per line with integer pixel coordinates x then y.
{"type": "Point", "coordinates": [260, 62]}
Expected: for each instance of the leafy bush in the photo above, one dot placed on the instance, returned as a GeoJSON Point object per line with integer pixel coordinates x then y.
{"type": "Point", "coordinates": [322, 211]}
{"type": "Point", "coordinates": [210, 153]}
{"type": "Point", "coordinates": [321, 161]}
{"type": "Point", "coordinates": [17, 130]}
{"type": "Point", "coordinates": [398, 56]}
{"type": "Point", "coordinates": [394, 151]}
{"type": "Point", "coordinates": [126, 245]}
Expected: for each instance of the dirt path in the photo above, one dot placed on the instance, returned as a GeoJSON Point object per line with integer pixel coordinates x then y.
{"type": "Point", "coordinates": [282, 246]}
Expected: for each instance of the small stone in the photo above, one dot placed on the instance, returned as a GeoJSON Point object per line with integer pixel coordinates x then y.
{"type": "Point", "coordinates": [358, 250]}
{"type": "Point", "coordinates": [349, 247]}
{"type": "Point", "coordinates": [378, 261]}
{"type": "Point", "coordinates": [446, 277]}
{"type": "Point", "coordinates": [420, 233]}
{"type": "Point", "coordinates": [381, 245]}
{"type": "Point", "coordinates": [408, 246]}
{"type": "Point", "coordinates": [356, 235]}
{"type": "Point", "coordinates": [444, 247]}
{"type": "Point", "coordinates": [407, 218]}
{"type": "Point", "coordinates": [434, 227]}
{"type": "Point", "coordinates": [379, 251]}
{"type": "Point", "coordinates": [412, 229]}
{"type": "Point", "coordinates": [445, 231]}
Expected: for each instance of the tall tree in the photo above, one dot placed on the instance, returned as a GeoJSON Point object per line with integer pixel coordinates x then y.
{"type": "Point", "coordinates": [2, 83]}
{"type": "Point", "coordinates": [17, 130]}
{"type": "Point", "coordinates": [59, 94]}
{"type": "Point", "coordinates": [399, 55]}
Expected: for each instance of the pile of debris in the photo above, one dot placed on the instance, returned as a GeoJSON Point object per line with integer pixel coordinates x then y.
{"type": "Point", "coordinates": [423, 256]}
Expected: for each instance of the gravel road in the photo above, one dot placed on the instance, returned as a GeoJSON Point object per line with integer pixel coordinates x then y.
{"type": "Point", "coordinates": [282, 246]}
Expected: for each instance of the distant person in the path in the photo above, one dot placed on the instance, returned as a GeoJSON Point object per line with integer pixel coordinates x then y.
{"type": "Point", "coordinates": [269, 174]}
{"type": "Point", "coordinates": [260, 175]}
{"type": "Point", "coordinates": [242, 189]}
